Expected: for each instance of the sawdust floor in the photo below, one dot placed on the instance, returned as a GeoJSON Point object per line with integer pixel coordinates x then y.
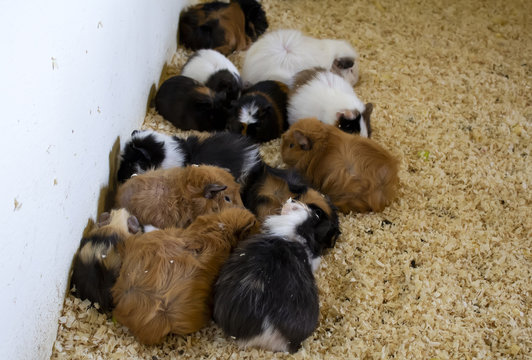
{"type": "Point", "coordinates": [445, 271]}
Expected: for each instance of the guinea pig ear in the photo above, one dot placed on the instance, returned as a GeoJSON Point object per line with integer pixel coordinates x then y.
{"type": "Point", "coordinates": [142, 151]}
{"type": "Point", "coordinates": [302, 140]}
{"type": "Point", "coordinates": [367, 113]}
{"type": "Point", "coordinates": [211, 190]}
{"type": "Point", "coordinates": [133, 224]}
{"type": "Point", "coordinates": [104, 219]}
{"type": "Point", "coordinates": [343, 63]}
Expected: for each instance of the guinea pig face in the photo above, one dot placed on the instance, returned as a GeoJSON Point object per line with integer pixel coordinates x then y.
{"type": "Point", "coordinates": [294, 145]}
{"type": "Point", "coordinates": [293, 214]}
{"type": "Point", "coordinates": [354, 122]}
{"type": "Point", "coordinates": [255, 119]}
{"type": "Point", "coordinates": [346, 67]}
{"type": "Point", "coordinates": [226, 84]}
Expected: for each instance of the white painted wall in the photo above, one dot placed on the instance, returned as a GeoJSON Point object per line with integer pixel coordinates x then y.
{"type": "Point", "coordinates": [75, 76]}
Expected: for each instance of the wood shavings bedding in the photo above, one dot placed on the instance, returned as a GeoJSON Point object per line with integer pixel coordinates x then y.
{"type": "Point", "coordinates": [445, 271]}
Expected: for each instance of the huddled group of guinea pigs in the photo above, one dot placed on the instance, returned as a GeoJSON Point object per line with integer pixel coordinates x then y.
{"type": "Point", "coordinates": [202, 228]}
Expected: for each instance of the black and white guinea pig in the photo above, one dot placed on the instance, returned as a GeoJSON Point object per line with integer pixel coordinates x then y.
{"type": "Point", "coordinates": [149, 149]}
{"type": "Point", "coordinates": [331, 99]}
{"type": "Point", "coordinates": [267, 189]}
{"type": "Point", "coordinates": [260, 113]}
{"type": "Point", "coordinates": [189, 105]}
{"type": "Point", "coordinates": [97, 262]}
{"type": "Point", "coordinates": [215, 71]}
{"type": "Point", "coordinates": [225, 27]}
{"type": "Point", "coordinates": [279, 55]}
{"type": "Point", "coordinates": [266, 295]}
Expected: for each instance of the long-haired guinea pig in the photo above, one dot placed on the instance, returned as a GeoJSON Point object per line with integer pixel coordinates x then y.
{"type": "Point", "coordinates": [260, 113]}
{"type": "Point", "coordinates": [221, 26]}
{"type": "Point", "coordinates": [268, 189]}
{"type": "Point", "coordinates": [189, 105]}
{"type": "Point", "coordinates": [331, 99]}
{"type": "Point", "coordinates": [148, 149]}
{"type": "Point", "coordinates": [176, 196]}
{"type": "Point", "coordinates": [97, 261]}
{"type": "Point", "coordinates": [215, 71]}
{"type": "Point", "coordinates": [357, 173]}
{"type": "Point", "coordinates": [266, 295]}
{"type": "Point", "coordinates": [166, 279]}
{"type": "Point", "coordinates": [281, 54]}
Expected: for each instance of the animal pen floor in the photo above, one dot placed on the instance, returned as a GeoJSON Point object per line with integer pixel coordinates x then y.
{"type": "Point", "coordinates": [445, 271]}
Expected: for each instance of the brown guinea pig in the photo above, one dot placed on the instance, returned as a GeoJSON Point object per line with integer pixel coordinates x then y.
{"type": "Point", "coordinates": [221, 26]}
{"type": "Point", "coordinates": [97, 262]}
{"type": "Point", "coordinates": [357, 173]}
{"type": "Point", "coordinates": [176, 196]}
{"type": "Point", "coordinates": [167, 275]}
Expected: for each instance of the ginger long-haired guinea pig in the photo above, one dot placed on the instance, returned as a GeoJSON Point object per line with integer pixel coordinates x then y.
{"type": "Point", "coordinates": [97, 261]}
{"type": "Point", "coordinates": [357, 173]}
{"type": "Point", "coordinates": [176, 196]}
{"type": "Point", "coordinates": [167, 275]}
{"type": "Point", "coordinates": [221, 26]}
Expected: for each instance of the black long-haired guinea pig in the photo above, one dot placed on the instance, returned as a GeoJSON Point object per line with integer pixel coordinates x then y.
{"type": "Point", "coordinates": [189, 105]}
{"type": "Point", "coordinates": [267, 189]}
{"type": "Point", "coordinates": [261, 111]}
{"type": "Point", "coordinates": [149, 149]}
{"type": "Point", "coordinates": [225, 27]}
{"type": "Point", "coordinates": [266, 295]}
{"type": "Point", "coordinates": [97, 262]}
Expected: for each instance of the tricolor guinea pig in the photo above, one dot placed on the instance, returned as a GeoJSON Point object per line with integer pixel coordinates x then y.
{"type": "Point", "coordinates": [212, 69]}
{"type": "Point", "coordinates": [166, 278]}
{"type": "Point", "coordinates": [267, 189]}
{"type": "Point", "coordinates": [97, 261]}
{"type": "Point", "coordinates": [266, 295]}
{"type": "Point", "coordinates": [189, 105]}
{"type": "Point", "coordinates": [357, 173]}
{"type": "Point", "coordinates": [260, 113]}
{"type": "Point", "coordinates": [281, 54]}
{"type": "Point", "coordinates": [224, 27]}
{"type": "Point", "coordinates": [331, 99]}
{"type": "Point", "coordinates": [175, 197]}
{"type": "Point", "coordinates": [148, 149]}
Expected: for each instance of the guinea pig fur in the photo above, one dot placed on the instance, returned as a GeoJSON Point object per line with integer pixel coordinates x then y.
{"type": "Point", "coordinates": [221, 26]}
{"type": "Point", "coordinates": [149, 149]}
{"type": "Point", "coordinates": [328, 97]}
{"type": "Point", "coordinates": [189, 105]}
{"type": "Point", "coordinates": [175, 197]}
{"type": "Point", "coordinates": [357, 173]}
{"type": "Point", "coordinates": [97, 261]}
{"type": "Point", "coordinates": [217, 72]}
{"type": "Point", "coordinates": [266, 295]}
{"type": "Point", "coordinates": [281, 54]}
{"type": "Point", "coordinates": [268, 189]}
{"type": "Point", "coordinates": [260, 113]}
{"type": "Point", "coordinates": [165, 284]}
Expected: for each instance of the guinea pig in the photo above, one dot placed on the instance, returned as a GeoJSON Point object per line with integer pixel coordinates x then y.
{"type": "Point", "coordinates": [165, 284]}
{"type": "Point", "coordinates": [260, 113]}
{"type": "Point", "coordinates": [149, 149]}
{"type": "Point", "coordinates": [175, 197]}
{"type": "Point", "coordinates": [331, 99]}
{"type": "Point", "coordinates": [221, 26]}
{"type": "Point", "coordinates": [357, 173]}
{"type": "Point", "coordinates": [215, 71]}
{"type": "Point", "coordinates": [189, 105]}
{"type": "Point", "coordinates": [266, 295]}
{"type": "Point", "coordinates": [97, 261]}
{"type": "Point", "coordinates": [281, 54]}
{"type": "Point", "coordinates": [267, 189]}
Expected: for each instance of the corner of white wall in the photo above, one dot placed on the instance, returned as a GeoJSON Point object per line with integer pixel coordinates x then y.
{"type": "Point", "coordinates": [76, 76]}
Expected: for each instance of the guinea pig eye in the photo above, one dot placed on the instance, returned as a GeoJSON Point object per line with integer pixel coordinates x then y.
{"type": "Point", "coordinates": [319, 213]}
{"type": "Point", "coordinates": [227, 198]}
{"type": "Point", "coordinates": [291, 145]}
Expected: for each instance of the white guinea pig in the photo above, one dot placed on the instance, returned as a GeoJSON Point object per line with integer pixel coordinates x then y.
{"type": "Point", "coordinates": [279, 55]}
{"type": "Point", "coordinates": [331, 99]}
